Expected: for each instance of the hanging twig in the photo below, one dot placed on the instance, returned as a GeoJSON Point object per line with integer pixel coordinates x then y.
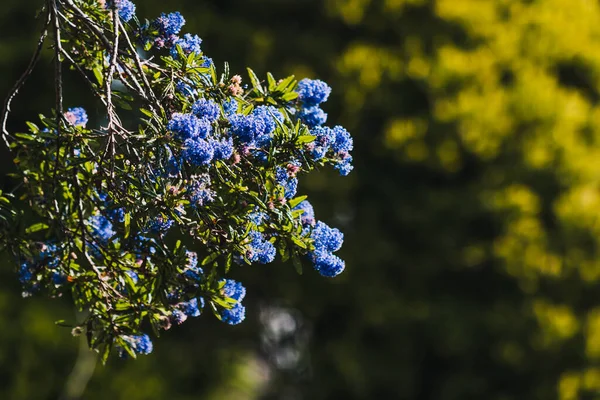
{"type": "Point", "coordinates": [15, 90]}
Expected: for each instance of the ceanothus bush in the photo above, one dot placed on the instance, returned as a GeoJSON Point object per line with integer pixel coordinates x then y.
{"type": "Point", "coordinates": [188, 174]}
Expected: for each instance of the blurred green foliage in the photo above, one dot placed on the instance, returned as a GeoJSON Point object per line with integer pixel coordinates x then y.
{"type": "Point", "coordinates": [471, 219]}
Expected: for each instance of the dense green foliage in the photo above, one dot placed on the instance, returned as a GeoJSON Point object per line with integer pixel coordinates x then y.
{"type": "Point", "coordinates": [140, 220]}
{"type": "Point", "coordinates": [471, 219]}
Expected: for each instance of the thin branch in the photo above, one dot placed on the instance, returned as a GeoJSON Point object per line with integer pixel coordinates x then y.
{"type": "Point", "coordinates": [58, 88]}
{"type": "Point", "coordinates": [15, 90]}
{"type": "Point", "coordinates": [138, 63]}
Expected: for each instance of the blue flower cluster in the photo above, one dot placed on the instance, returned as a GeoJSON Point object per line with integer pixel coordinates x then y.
{"type": "Point", "coordinates": [257, 217]}
{"type": "Point", "coordinates": [193, 275]}
{"type": "Point", "coordinates": [311, 94]}
{"type": "Point", "coordinates": [170, 24]}
{"type": "Point", "coordinates": [168, 27]}
{"type": "Point", "coordinates": [188, 43]}
{"type": "Point", "coordinates": [236, 291]}
{"type": "Point", "coordinates": [49, 258]}
{"type": "Point", "coordinates": [160, 224]}
{"type": "Point", "coordinates": [77, 116]}
{"type": "Point", "coordinates": [192, 308]}
{"type": "Point", "coordinates": [199, 191]}
{"type": "Point", "coordinates": [200, 145]}
{"type": "Point", "coordinates": [259, 249]}
{"type": "Point", "coordinates": [326, 241]}
{"type": "Point", "coordinates": [256, 129]}
{"type": "Point", "coordinates": [102, 228]}
{"type": "Point", "coordinates": [206, 109]}
{"type": "Point", "coordinates": [140, 344]}
{"type": "Point", "coordinates": [313, 116]}
{"type": "Point", "coordinates": [188, 126]}
{"type": "Point", "coordinates": [308, 213]}
{"type": "Point", "coordinates": [126, 8]}
{"type": "Point", "coordinates": [288, 180]}
{"type": "Point", "coordinates": [337, 142]}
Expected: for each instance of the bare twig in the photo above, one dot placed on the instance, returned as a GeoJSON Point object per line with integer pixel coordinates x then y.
{"type": "Point", "coordinates": [15, 90]}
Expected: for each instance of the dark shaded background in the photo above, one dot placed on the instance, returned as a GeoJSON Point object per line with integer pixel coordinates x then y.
{"type": "Point", "coordinates": [471, 218]}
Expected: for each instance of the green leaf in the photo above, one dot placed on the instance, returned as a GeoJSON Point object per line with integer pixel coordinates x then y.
{"type": "Point", "coordinates": [36, 227]}
{"type": "Point", "coordinates": [98, 74]}
{"type": "Point", "coordinates": [147, 112]}
{"type": "Point", "coordinates": [255, 81]}
{"type": "Point", "coordinates": [32, 127]}
{"type": "Point", "coordinates": [209, 258]}
{"type": "Point", "coordinates": [272, 82]}
{"type": "Point", "coordinates": [305, 139]}
{"type": "Point", "coordinates": [299, 242]}
{"type": "Point", "coordinates": [106, 352]}
{"type": "Point", "coordinates": [289, 96]}
{"type": "Point", "coordinates": [297, 200]}
{"type": "Point", "coordinates": [228, 262]}
{"type": "Point", "coordinates": [286, 83]}
{"type": "Point", "coordinates": [127, 223]}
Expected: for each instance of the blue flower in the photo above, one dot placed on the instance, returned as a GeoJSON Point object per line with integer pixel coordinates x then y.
{"type": "Point", "coordinates": [143, 247]}
{"type": "Point", "coordinates": [260, 250]}
{"type": "Point", "coordinates": [269, 115]}
{"type": "Point", "coordinates": [178, 316]}
{"type": "Point", "coordinates": [345, 166]}
{"type": "Point", "coordinates": [142, 344]}
{"type": "Point", "coordinates": [234, 290]}
{"type": "Point", "coordinates": [230, 107]}
{"type": "Point", "coordinates": [308, 215]}
{"type": "Point", "coordinates": [257, 217]}
{"type": "Point", "coordinates": [49, 255]}
{"type": "Point", "coordinates": [187, 126]}
{"type": "Point", "coordinates": [327, 264]}
{"type": "Point", "coordinates": [191, 307]}
{"type": "Point", "coordinates": [25, 274]}
{"type": "Point", "coordinates": [189, 44]}
{"type": "Point", "coordinates": [207, 109]}
{"type": "Point", "coordinates": [199, 192]}
{"type": "Point", "coordinates": [246, 128]}
{"type": "Point", "coordinates": [289, 183]}
{"type": "Point", "coordinates": [313, 92]}
{"type": "Point", "coordinates": [77, 116]}
{"type": "Point", "coordinates": [234, 315]}
{"type": "Point", "coordinates": [102, 228]}
{"type": "Point", "coordinates": [329, 239]}
{"type": "Point", "coordinates": [172, 166]}
{"type": "Point", "coordinates": [133, 275]}
{"type": "Point", "coordinates": [197, 152]}
{"type": "Point", "coordinates": [343, 142]}
{"type": "Point", "coordinates": [207, 62]}
{"type": "Point", "coordinates": [326, 241]}
{"type": "Point", "coordinates": [192, 270]}
{"type": "Point", "coordinates": [126, 9]}
{"type": "Point", "coordinates": [58, 278]}
{"type": "Point", "coordinates": [170, 24]}
{"type": "Point", "coordinates": [223, 148]}
{"type": "Point", "coordinates": [160, 224]}
{"type": "Point", "coordinates": [312, 116]}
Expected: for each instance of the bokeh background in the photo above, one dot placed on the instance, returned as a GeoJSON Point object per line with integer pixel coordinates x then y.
{"type": "Point", "coordinates": [471, 219]}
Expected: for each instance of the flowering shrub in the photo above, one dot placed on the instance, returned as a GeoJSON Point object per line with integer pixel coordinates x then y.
{"type": "Point", "coordinates": [141, 224]}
